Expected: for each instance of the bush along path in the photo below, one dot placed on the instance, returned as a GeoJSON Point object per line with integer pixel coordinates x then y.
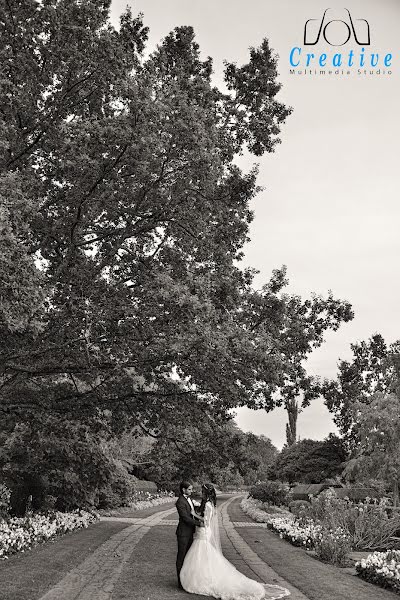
{"type": "Point", "coordinates": [315, 579]}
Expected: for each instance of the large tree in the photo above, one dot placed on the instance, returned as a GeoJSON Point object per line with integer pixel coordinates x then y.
{"type": "Point", "coordinates": [124, 218]}
{"type": "Point", "coordinates": [129, 302]}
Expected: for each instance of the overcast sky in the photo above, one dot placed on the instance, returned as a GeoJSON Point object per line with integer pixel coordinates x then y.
{"type": "Point", "coordinates": [331, 208]}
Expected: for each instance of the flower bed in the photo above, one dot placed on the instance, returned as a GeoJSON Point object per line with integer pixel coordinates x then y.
{"type": "Point", "coordinates": [261, 513]}
{"type": "Point", "coordinates": [19, 534]}
{"type": "Point", "coordinates": [299, 534]}
{"type": "Point", "coordinates": [140, 501]}
{"type": "Point", "coordinates": [148, 499]}
{"type": "Point", "coordinates": [381, 568]}
{"type": "Point", "coordinates": [332, 545]}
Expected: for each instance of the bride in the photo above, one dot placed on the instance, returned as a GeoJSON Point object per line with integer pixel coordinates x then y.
{"type": "Point", "coordinates": [206, 571]}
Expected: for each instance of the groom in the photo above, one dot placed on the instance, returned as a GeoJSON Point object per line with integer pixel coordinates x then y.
{"type": "Point", "coordinates": [187, 524]}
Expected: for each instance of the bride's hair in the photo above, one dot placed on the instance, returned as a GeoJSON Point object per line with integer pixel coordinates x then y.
{"type": "Point", "coordinates": [209, 496]}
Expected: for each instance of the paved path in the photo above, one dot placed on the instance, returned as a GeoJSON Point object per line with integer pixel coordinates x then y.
{"type": "Point", "coordinates": [96, 577]}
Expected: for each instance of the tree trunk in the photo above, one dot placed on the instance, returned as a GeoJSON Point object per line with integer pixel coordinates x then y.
{"type": "Point", "coordinates": [292, 408]}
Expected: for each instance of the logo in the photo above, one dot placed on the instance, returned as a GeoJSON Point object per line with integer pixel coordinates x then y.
{"type": "Point", "coordinates": [345, 48]}
{"type": "Point", "coordinates": [337, 32]}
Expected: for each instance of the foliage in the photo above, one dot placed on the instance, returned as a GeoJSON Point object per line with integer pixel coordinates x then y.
{"type": "Point", "coordinates": [117, 491]}
{"type": "Point", "coordinates": [257, 456]}
{"type": "Point", "coordinates": [135, 218]}
{"type": "Point", "coordinates": [330, 544]}
{"type": "Point", "coordinates": [333, 546]}
{"type": "Point", "coordinates": [270, 492]}
{"type": "Point", "coordinates": [375, 367]}
{"type": "Point", "coordinates": [306, 323]}
{"type": "Point", "coordinates": [310, 461]}
{"type": "Point", "coordinates": [61, 459]}
{"type": "Point", "coordinates": [378, 453]}
{"type": "Point", "coordinates": [224, 455]}
{"type": "Point", "coordinates": [367, 524]}
{"type": "Point", "coordinates": [296, 507]}
{"type": "Point", "coordinates": [123, 219]}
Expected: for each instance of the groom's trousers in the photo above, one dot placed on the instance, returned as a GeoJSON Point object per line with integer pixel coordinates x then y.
{"type": "Point", "coordinates": [184, 544]}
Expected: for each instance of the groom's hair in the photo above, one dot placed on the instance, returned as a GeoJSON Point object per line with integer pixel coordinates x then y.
{"type": "Point", "coordinates": [184, 486]}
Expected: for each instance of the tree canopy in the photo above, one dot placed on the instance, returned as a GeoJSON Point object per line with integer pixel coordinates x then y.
{"type": "Point", "coordinates": [310, 461]}
{"type": "Point", "coordinates": [134, 215]}
{"type": "Point", "coordinates": [123, 218]}
{"type": "Point", "coordinates": [225, 457]}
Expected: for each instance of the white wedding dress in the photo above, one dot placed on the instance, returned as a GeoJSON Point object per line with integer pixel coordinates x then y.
{"type": "Point", "coordinates": [206, 571]}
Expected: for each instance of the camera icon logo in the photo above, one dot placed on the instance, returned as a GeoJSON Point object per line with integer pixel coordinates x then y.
{"type": "Point", "coordinates": [337, 32]}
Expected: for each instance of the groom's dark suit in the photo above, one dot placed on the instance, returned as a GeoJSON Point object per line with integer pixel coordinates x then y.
{"type": "Point", "coordinates": [185, 531]}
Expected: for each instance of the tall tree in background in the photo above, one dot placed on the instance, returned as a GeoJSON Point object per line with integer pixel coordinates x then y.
{"type": "Point", "coordinates": [375, 367]}
{"type": "Point", "coordinates": [301, 330]}
{"type": "Point", "coordinates": [227, 456]}
{"type": "Point", "coordinates": [307, 322]}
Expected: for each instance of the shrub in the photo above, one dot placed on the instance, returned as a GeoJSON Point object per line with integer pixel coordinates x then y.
{"type": "Point", "coordinates": [367, 523]}
{"type": "Point", "coordinates": [333, 546]}
{"type": "Point", "coordinates": [58, 458]}
{"type": "Point", "coordinates": [270, 492]}
{"type": "Point", "coordinates": [297, 507]}
{"type": "Point", "coordinates": [118, 490]}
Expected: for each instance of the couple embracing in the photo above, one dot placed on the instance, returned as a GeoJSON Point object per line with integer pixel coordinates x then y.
{"type": "Point", "coordinates": [201, 566]}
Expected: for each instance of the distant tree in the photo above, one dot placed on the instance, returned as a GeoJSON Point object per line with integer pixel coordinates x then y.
{"type": "Point", "coordinates": [378, 453]}
{"type": "Point", "coordinates": [310, 461]}
{"type": "Point", "coordinates": [259, 453]}
{"type": "Point", "coordinates": [306, 322]}
{"type": "Point", "coordinates": [375, 367]}
{"type": "Point", "coordinates": [222, 455]}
